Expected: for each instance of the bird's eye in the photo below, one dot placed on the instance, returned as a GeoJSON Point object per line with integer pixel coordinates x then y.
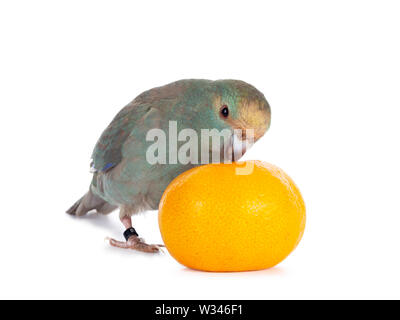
{"type": "Point", "coordinates": [225, 111]}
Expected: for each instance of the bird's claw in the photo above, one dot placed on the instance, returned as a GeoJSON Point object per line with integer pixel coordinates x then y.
{"type": "Point", "coordinates": [136, 243]}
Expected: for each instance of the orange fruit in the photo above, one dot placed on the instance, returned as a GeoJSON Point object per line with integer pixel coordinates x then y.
{"type": "Point", "coordinates": [213, 219]}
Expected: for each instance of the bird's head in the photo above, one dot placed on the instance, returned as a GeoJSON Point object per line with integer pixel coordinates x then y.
{"type": "Point", "coordinates": [240, 107]}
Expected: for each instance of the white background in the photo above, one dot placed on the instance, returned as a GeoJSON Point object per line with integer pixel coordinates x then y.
{"type": "Point", "coordinates": [331, 72]}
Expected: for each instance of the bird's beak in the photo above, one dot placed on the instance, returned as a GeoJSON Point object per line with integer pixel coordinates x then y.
{"type": "Point", "coordinates": [239, 146]}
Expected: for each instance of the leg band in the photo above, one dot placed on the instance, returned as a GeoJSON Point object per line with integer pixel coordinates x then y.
{"type": "Point", "coordinates": [130, 232]}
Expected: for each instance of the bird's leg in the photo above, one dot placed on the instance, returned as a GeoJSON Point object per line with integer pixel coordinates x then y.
{"type": "Point", "coordinates": [132, 239]}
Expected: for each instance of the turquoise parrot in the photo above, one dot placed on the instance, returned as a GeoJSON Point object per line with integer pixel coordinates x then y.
{"type": "Point", "coordinates": [132, 164]}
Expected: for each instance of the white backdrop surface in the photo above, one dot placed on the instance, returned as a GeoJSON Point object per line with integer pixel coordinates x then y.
{"type": "Point", "coordinates": [331, 73]}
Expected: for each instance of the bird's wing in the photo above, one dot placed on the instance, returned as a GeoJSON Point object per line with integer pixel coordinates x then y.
{"type": "Point", "coordinates": [108, 150]}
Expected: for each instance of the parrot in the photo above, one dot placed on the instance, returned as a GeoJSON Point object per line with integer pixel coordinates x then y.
{"type": "Point", "coordinates": [124, 178]}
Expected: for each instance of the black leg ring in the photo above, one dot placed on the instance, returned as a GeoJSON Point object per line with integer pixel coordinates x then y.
{"type": "Point", "coordinates": [130, 232]}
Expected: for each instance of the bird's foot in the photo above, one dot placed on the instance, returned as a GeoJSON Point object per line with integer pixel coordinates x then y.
{"type": "Point", "coordinates": [136, 243]}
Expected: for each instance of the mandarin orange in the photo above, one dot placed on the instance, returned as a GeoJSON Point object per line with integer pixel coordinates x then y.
{"type": "Point", "coordinates": [214, 218]}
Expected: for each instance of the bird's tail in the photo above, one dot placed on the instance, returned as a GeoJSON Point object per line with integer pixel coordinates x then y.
{"type": "Point", "coordinates": [90, 202]}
